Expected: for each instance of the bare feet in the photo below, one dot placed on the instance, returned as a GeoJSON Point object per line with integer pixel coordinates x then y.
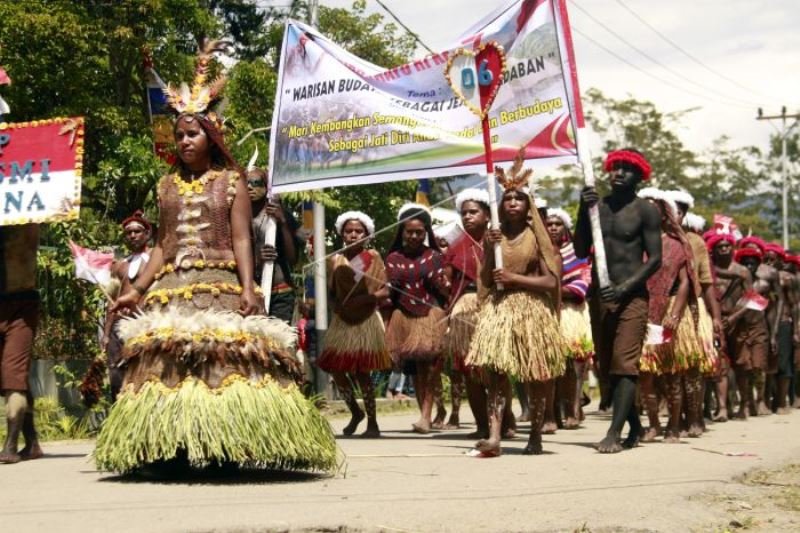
{"type": "Point", "coordinates": [372, 432]}
{"type": "Point", "coordinates": [610, 444]}
{"type": "Point", "coordinates": [355, 420]}
{"type": "Point", "coordinates": [438, 420]}
{"type": "Point", "coordinates": [651, 434]}
{"type": "Point", "coordinates": [762, 409]}
{"type": "Point", "coordinates": [741, 415]}
{"type": "Point", "coordinates": [509, 433]}
{"type": "Point", "coordinates": [524, 417]}
{"type": "Point", "coordinates": [479, 434]}
{"type": "Point", "coordinates": [453, 423]}
{"type": "Point", "coordinates": [722, 416]}
{"type": "Point", "coordinates": [632, 441]}
{"type": "Point", "coordinates": [488, 447]}
{"type": "Point", "coordinates": [421, 426]}
{"type": "Point", "coordinates": [695, 431]}
{"type": "Point", "coordinates": [534, 446]}
{"type": "Point", "coordinates": [549, 428]}
{"type": "Point", "coordinates": [796, 403]}
{"type": "Point", "coordinates": [9, 457]}
{"type": "Point", "coordinates": [783, 411]}
{"type": "Point", "coordinates": [672, 437]}
{"type": "Point", "coordinates": [31, 452]}
{"type": "Point", "coordinates": [571, 423]}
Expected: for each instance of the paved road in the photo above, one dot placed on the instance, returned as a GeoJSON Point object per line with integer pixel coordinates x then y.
{"type": "Point", "coordinates": [405, 482]}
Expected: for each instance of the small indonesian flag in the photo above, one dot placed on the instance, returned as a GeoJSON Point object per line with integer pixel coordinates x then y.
{"type": "Point", "coordinates": [755, 301]}
{"type": "Point", "coordinates": [4, 79]}
{"type": "Point", "coordinates": [92, 265]}
{"type": "Point", "coordinates": [658, 335]}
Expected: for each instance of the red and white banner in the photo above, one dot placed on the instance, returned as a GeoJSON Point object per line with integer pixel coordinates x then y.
{"type": "Point", "coordinates": [755, 301]}
{"type": "Point", "coordinates": [41, 162]}
{"type": "Point", "coordinates": [92, 265]}
{"type": "Point", "coordinates": [340, 120]}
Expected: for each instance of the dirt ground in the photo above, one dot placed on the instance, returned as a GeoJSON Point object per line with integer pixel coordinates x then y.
{"type": "Point", "coordinates": [737, 477]}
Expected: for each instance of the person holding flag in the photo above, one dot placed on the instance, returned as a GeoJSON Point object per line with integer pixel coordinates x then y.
{"type": "Point", "coordinates": [355, 344]}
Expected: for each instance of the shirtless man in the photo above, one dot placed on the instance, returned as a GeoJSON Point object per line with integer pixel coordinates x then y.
{"type": "Point", "coordinates": [137, 231]}
{"type": "Point", "coordinates": [745, 329]}
{"type": "Point", "coordinates": [19, 316]}
{"type": "Point", "coordinates": [632, 239]}
{"type": "Point", "coordinates": [786, 318]}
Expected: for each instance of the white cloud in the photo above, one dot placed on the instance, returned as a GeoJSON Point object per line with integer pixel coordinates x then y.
{"type": "Point", "coordinates": [754, 43]}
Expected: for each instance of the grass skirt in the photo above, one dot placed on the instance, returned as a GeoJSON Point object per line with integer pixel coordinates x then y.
{"type": "Point", "coordinates": [355, 348]}
{"type": "Point", "coordinates": [709, 363]}
{"type": "Point", "coordinates": [518, 335]}
{"type": "Point", "coordinates": [461, 329]}
{"type": "Point", "coordinates": [205, 382]}
{"type": "Point", "coordinates": [416, 338]}
{"type": "Point", "coordinates": [577, 330]}
{"type": "Point", "coordinates": [253, 423]}
{"type": "Point", "coordinates": [676, 356]}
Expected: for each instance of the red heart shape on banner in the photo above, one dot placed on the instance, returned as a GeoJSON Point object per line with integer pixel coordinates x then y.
{"type": "Point", "coordinates": [475, 76]}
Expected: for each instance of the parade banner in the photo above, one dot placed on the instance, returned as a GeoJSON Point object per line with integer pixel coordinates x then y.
{"type": "Point", "coordinates": [40, 170]}
{"type": "Point", "coordinates": [340, 120]}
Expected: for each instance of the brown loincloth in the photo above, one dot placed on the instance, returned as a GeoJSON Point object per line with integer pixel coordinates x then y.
{"type": "Point", "coordinates": [748, 345]}
{"type": "Point", "coordinates": [619, 330]}
{"type": "Point", "coordinates": [18, 321]}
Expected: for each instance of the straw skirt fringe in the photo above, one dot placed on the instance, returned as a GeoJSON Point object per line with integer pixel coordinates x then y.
{"type": "Point", "coordinates": [416, 338]}
{"type": "Point", "coordinates": [355, 348]}
{"type": "Point", "coordinates": [577, 330]}
{"type": "Point", "coordinates": [709, 363]}
{"type": "Point", "coordinates": [461, 328]}
{"type": "Point", "coordinates": [518, 334]}
{"type": "Point", "coordinates": [676, 356]}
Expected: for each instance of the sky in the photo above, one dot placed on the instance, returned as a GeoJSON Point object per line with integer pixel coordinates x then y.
{"type": "Point", "coordinates": [755, 45]}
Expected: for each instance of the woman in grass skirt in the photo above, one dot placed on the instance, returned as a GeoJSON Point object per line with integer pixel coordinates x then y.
{"type": "Point", "coordinates": [355, 343]}
{"type": "Point", "coordinates": [208, 380]}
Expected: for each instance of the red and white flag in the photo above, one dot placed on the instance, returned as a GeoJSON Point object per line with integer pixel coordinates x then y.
{"type": "Point", "coordinates": [755, 301]}
{"type": "Point", "coordinates": [657, 335]}
{"type": "Point", "coordinates": [92, 265]}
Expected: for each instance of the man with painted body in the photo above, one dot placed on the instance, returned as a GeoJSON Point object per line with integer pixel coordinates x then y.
{"type": "Point", "coordinates": [745, 329]}
{"type": "Point", "coordinates": [19, 316]}
{"type": "Point", "coordinates": [137, 231]}
{"type": "Point", "coordinates": [632, 239]}
{"type": "Point", "coordinates": [786, 332]}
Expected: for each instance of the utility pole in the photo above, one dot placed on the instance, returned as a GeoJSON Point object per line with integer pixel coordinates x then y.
{"type": "Point", "coordinates": [320, 273]}
{"type": "Point", "coordinates": [784, 133]}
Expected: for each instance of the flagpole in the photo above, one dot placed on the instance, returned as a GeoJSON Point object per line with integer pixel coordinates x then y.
{"type": "Point", "coordinates": [582, 142]}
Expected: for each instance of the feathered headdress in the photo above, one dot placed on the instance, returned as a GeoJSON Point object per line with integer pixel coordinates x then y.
{"type": "Point", "coordinates": [202, 96]}
{"type": "Point", "coordinates": [516, 177]}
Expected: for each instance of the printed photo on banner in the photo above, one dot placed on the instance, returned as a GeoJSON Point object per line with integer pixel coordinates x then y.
{"type": "Point", "coordinates": [340, 120]}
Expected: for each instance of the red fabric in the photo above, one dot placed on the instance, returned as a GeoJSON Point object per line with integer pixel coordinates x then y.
{"type": "Point", "coordinates": [741, 253]}
{"type": "Point", "coordinates": [777, 249]}
{"type": "Point", "coordinates": [625, 156]}
{"type": "Point", "coordinates": [465, 257]}
{"type": "Point", "coordinates": [758, 241]}
{"type": "Point", "coordinates": [717, 238]}
{"type": "Point", "coordinates": [137, 216]}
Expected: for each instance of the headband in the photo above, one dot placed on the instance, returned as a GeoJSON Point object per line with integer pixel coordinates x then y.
{"type": "Point", "coordinates": [412, 205]}
{"type": "Point", "coordinates": [681, 197]}
{"type": "Point", "coordinates": [777, 249]}
{"type": "Point", "coordinates": [561, 214]}
{"type": "Point", "coordinates": [717, 238]}
{"type": "Point", "coordinates": [694, 222]}
{"type": "Point", "coordinates": [754, 240]}
{"type": "Point", "coordinates": [741, 253]}
{"type": "Point", "coordinates": [137, 218]}
{"type": "Point", "coordinates": [632, 158]}
{"type": "Point", "coordinates": [472, 195]}
{"type": "Point", "coordinates": [365, 219]}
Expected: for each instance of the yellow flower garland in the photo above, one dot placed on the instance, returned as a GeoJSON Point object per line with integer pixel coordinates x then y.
{"type": "Point", "coordinates": [188, 291]}
{"type": "Point", "coordinates": [205, 335]}
{"type": "Point", "coordinates": [188, 189]}
{"type": "Point", "coordinates": [199, 264]}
